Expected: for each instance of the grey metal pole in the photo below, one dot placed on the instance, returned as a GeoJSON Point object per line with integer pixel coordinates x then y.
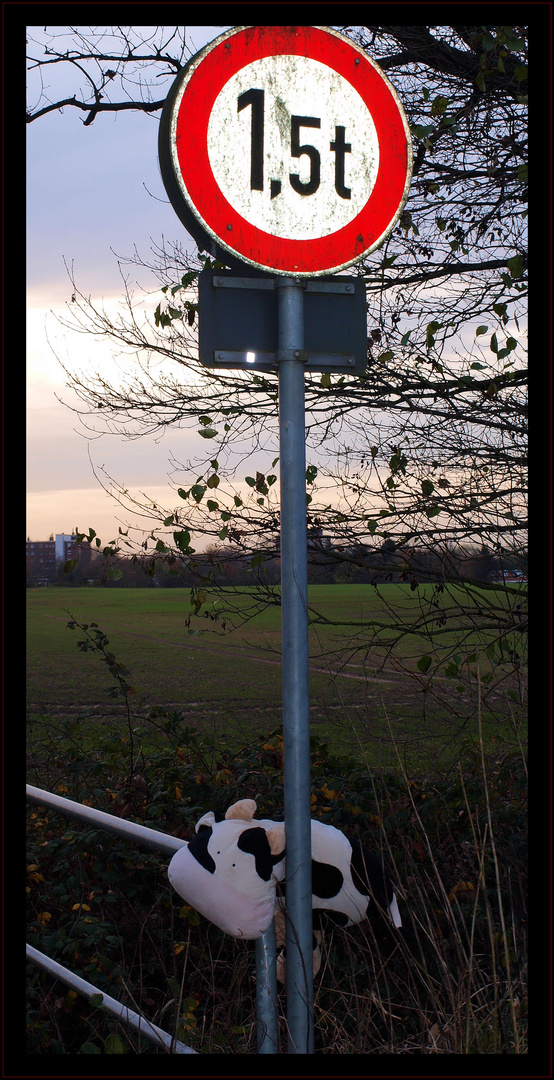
{"type": "Point", "coordinates": [266, 993]}
{"type": "Point", "coordinates": [296, 715]}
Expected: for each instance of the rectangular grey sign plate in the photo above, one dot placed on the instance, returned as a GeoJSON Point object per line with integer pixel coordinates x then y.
{"type": "Point", "coordinates": [237, 320]}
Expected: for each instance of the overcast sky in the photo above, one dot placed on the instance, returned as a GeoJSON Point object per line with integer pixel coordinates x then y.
{"type": "Point", "coordinates": [91, 191]}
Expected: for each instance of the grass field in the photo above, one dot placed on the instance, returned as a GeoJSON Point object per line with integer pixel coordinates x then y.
{"type": "Point", "coordinates": [364, 697]}
{"type": "Point", "coordinates": [403, 769]}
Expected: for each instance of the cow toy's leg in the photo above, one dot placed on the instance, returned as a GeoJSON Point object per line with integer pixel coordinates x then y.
{"type": "Point", "coordinates": [280, 935]}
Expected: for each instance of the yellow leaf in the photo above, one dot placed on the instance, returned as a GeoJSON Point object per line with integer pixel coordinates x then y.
{"type": "Point", "coordinates": [462, 886]}
{"type": "Point", "coordinates": [178, 791]}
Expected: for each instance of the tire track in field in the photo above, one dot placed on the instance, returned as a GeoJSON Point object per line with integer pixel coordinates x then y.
{"type": "Point", "coordinates": [240, 649]}
{"type": "Point", "coordinates": [257, 659]}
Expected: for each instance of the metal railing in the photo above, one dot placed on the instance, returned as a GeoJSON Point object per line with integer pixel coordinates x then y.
{"type": "Point", "coordinates": [266, 982]}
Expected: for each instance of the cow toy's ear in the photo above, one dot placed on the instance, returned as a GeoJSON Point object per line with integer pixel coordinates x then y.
{"type": "Point", "coordinates": [205, 822]}
{"type": "Point", "coordinates": [244, 810]}
{"type": "Point", "coordinates": [276, 837]}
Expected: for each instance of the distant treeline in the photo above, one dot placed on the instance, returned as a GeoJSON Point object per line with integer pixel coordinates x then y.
{"type": "Point", "coordinates": [413, 565]}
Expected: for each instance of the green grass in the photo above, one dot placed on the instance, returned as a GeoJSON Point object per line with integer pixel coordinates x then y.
{"type": "Point", "coordinates": [364, 696]}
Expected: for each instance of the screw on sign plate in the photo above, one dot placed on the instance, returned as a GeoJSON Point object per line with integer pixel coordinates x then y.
{"type": "Point", "coordinates": [287, 147]}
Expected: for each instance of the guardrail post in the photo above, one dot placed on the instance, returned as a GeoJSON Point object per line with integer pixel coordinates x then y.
{"type": "Point", "coordinates": [296, 716]}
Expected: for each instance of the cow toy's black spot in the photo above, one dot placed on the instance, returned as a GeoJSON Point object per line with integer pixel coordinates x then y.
{"type": "Point", "coordinates": [369, 875]}
{"type": "Point", "coordinates": [199, 848]}
{"type": "Point", "coordinates": [254, 842]}
{"type": "Point", "coordinates": [327, 880]}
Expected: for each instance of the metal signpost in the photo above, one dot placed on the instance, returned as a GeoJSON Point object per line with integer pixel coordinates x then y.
{"type": "Point", "coordinates": [286, 154]}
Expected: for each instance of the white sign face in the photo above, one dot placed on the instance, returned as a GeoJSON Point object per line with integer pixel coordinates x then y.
{"type": "Point", "coordinates": [340, 168]}
{"type": "Point", "coordinates": [288, 147]}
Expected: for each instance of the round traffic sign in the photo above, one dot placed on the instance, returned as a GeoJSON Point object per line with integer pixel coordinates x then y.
{"type": "Point", "coordinates": [287, 147]}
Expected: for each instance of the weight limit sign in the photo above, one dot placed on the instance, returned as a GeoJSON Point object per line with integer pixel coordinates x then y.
{"type": "Point", "coordinates": [288, 147]}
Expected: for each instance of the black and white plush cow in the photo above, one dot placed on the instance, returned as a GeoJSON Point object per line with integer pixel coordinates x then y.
{"type": "Point", "coordinates": [234, 873]}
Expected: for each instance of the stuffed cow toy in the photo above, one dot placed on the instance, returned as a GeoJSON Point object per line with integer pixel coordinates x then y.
{"type": "Point", "coordinates": [234, 873]}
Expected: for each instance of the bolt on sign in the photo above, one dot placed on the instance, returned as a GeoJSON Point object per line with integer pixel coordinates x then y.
{"type": "Point", "coordinates": [286, 148]}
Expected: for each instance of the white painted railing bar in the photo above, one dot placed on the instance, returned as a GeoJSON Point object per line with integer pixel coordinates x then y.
{"type": "Point", "coordinates": [139, 1023]}
{"type": "Point", "coordinates": [129, 830]}
{"type": "Point", "coordinates": [266, 983]}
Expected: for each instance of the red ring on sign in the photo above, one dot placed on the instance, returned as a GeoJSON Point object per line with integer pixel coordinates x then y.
{"type": "Point", "coordinates": [205, 197]}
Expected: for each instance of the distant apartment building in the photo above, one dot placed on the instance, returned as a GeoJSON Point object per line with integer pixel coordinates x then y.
{"type": "Point", "coordinates": [44, 557]}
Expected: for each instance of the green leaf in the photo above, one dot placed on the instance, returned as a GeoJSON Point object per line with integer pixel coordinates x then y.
{"type": "Point", "coordinates": [494, 344]}
{"type": "Point", "coordinates": [182, 539]}
{"type": "Point", "coordinates": [114, 1045]}
{"type": "Point", "coordinates": [427, 487]}
{"type": "Point", "coordinates": [250, 481]}
{"type": "Point", "coordinates": [96, 1000]}
{"type": "Point", "coordinates": [481, 330]}
{"type": "Point", "coordinates": [521, 72]}
{"type": "Point", "coordinates": [69, 566]}
{"type": "Point", "coordinates": [432, 328]}
{"type": "Point", "coordinates": [515, 266]}
{"type": "Point", "coordinates": [212, 505]}
{"type": "Point", "coordinates": [198, 491]}
{"type": "Point", "coordinates": [90, 1048]}
{"type": "Point", "coordinates": [160, 546]}
{"type": "Point", "coordinates": [424, 663]}
{"type": "Point", "coordinates": [439, 105]}
{"type": "Point", "coordinates": [182, 493]}
{"type": "Point", "coordinates": [114, 574]}
{"type": "Point", "coordinates": [325, 380]}
{"type": "Point", "coordinates": [207, 432]}
{"type": "Point", "coordinates": [420, 131]}
{"type": "Point", "coordinates": [223, 533]}
{"type": "Point", "coordinates": [213, 481]}
{"type": "Point", "coordinates": [169, 520]}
